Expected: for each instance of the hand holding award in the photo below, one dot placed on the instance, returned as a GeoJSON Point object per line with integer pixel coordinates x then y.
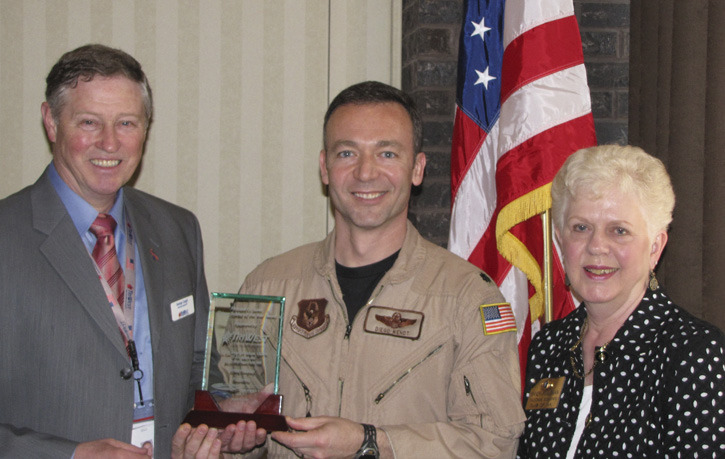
{"type": "Point", "coordinates": [248, 329]}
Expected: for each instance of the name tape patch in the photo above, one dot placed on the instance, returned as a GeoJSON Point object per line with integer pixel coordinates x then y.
{"type": "Point", "coordinates": [400, 323]}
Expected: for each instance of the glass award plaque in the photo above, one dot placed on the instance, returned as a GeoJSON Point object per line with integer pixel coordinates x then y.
{"type": "Point", "coordinates": [248, 334]}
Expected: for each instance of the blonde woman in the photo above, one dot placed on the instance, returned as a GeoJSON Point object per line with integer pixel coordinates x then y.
{"type": "Point", "coordinates": [627, 374]}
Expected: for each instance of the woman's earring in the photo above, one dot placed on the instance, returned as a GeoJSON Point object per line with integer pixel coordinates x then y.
{"type": "Point", "coordinates": [653, 284]}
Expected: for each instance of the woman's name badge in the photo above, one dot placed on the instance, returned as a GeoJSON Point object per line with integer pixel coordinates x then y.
{"type": "Point", "coordinates": [545, 394]}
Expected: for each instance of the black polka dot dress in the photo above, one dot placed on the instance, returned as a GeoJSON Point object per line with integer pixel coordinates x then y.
{"type": "Point", "coordinates": [659, 394]}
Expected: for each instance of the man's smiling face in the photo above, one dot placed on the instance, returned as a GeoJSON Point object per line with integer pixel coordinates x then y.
{"type": "Point", "coordinates": [98, 137]}
{"type": "Point", "coordinates": [370, 164]}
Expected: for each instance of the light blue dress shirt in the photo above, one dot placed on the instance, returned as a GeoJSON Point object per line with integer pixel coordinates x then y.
{"type": "Point", "coordinates": [83, 215]}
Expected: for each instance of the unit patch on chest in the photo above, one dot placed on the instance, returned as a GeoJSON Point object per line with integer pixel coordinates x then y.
{"type": "Point", "coordinates": [400, 323]}
{"type": "Point", "coordinates": [311, 319]}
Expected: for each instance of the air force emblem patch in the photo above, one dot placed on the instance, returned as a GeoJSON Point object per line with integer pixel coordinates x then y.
{"type": "Point", "coordinates": [311, 319]}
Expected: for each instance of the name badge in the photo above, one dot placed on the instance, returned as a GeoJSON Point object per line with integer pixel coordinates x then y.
{"type": "Point", "coordinates": [400, 323]}
{"type": "Point", "coordinates": [182, 308]}
{"type": "Point", "coordinates": [545, 394]}
{"type": "Point", "coordinates": [143, 432]}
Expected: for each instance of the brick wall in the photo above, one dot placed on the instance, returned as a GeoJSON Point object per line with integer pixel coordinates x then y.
{"type": "Point", "coordinates": [604, 27]}
{"type": "Point", "coordinates": [430, 51]}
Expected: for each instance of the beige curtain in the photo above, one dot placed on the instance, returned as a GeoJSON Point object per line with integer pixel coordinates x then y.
{"type": "Point", "coordinates": [677, 113]}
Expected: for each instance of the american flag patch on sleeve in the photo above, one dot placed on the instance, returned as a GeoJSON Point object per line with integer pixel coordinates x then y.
{"type": "Point", "coordinates": [497, 318]}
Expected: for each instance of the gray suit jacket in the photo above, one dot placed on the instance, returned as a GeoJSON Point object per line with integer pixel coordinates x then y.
{"type": "Point", "coordinates": [61, 352]}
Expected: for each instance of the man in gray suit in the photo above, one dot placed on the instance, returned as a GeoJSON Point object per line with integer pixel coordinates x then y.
{"type": "Point", "coordinates": [82, 370]}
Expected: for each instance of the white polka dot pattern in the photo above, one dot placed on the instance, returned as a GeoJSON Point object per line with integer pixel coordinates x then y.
{"type": "Point", "coordinates": [660, 394]}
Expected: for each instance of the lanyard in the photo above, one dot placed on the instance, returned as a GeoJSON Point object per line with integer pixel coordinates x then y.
{"type": "Point", "coordinates": [124, 314]}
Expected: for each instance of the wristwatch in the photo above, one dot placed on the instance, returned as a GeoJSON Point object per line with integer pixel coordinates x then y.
{"type": "Point", "coordinates": [369, 448]}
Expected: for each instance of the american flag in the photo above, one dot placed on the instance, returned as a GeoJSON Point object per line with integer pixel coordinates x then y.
{"type": "Point", "coordinates": [497, 318]}
{"type": "Point", "coordinates": [522, 108]}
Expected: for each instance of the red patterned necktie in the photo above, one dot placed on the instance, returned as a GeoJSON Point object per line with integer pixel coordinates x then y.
{"type": "Point", "coordinates": [104, 254]}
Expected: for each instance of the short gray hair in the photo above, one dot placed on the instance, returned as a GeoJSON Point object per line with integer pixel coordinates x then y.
{"type": "Point", "coordinates": [628, 169]}
{"type": "Point", "coordinates": [85, 63]}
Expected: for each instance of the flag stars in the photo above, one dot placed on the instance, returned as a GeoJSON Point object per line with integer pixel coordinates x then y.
{"type": "Point", "coordinates": [484, 78]}
{"type": "Point", "coordinates": [480, 28]}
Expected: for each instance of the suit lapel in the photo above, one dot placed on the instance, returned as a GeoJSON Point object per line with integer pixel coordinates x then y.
{"type": "Point", "coordinates": [66, 253]}
{"type": "Point", "coordinates": [152, 261]}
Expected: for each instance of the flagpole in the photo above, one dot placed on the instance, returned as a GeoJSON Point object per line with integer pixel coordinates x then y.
{"type": "Point", "coordinates": [548, 287]}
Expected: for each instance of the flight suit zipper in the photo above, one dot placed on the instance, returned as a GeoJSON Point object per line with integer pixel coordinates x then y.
{"type": "Point", "coordinates": [346, 337]}
{"type": "Point", "coordinates": [469, 393]}
{"type": "Point", "coordinates": [382, 394]}
{"type": "Point", "coordinates": [305, 389]}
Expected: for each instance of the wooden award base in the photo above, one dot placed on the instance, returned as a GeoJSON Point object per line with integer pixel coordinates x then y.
{"type": "Point", "coordinates": [206, 411]}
